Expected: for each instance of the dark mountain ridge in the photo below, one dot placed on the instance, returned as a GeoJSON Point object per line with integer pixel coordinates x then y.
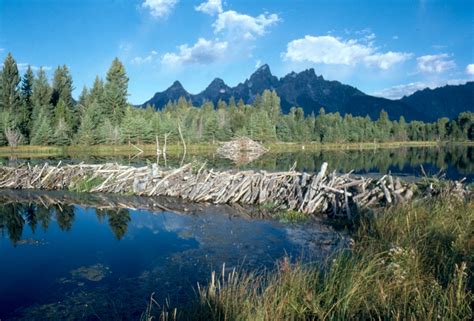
{"type": "Point", "coordinates": [311, 92]}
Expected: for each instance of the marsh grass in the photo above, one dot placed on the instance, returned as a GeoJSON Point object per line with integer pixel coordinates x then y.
{"type": "Point", "coordinates": [412, 262]}
{"type": "Point", "coordinates": [291, 216]}
{"type": "Point", "coordinates": [85, 184]}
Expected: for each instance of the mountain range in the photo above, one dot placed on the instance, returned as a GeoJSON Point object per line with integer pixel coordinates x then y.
{"type": "Point", "coordinates": [311, 92]}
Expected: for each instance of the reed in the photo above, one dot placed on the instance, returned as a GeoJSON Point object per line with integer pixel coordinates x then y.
{"type": "Point", "coordinates": [409, 262]}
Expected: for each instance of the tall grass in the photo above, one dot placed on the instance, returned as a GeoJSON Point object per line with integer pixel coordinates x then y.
{"type": "Point", "coordinates": [412, 262]}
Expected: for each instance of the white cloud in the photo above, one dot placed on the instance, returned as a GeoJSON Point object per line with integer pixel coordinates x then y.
{"type": "Point", "coordinates": [470, 69]}
{"type": "Point", "coordinates": [2, 49]}
{"type": "Point", "coordinates": [160, 8]}
{"type": "Point", "coordinates": [435, 63]}
{"type": "Point", "coordinates": [202, 52]}
{"type": "Point", "coordinates": [143, 60]}
{"type": "Point", "coordinates": [23, 66]}
{"type": "Point", "coordinates": [210, 7]}
{"type": "Point", "coordinates": [258, 63]}
{"type": "Point", "coordinates": [238, 25]}
{"type": "Point", "coordinates": [331, 50]}
{"type": "Point", "coordinates": [399, 91]}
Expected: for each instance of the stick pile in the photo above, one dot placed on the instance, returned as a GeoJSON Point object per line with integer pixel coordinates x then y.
{"type": "Point", "coordinates": [322, 192]}
{"type": "Point", "coordinates": [242, 150]}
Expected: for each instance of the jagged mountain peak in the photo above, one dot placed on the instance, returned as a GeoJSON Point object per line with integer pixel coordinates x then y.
{"type": "Point", "coordinates": [311, 92]}
{"type": "Point", "coordinates": [217, 82]}
{"type": "Point", "coordinates": [176, 85]}
{"type": "Point", "coordinates": [262, 71]}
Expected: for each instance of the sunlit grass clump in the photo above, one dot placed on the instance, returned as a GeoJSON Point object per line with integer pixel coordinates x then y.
{"type": "Point", "coordinates": [412, 262]}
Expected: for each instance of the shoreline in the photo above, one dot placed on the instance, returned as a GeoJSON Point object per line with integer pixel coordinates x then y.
{"type": "Point", "coordinates": [177, 149]}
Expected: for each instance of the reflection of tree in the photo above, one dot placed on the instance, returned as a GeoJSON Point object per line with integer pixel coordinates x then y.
{"type": "Point", "coordinates": [459, 157]}
{"type": "Point", "coordinates": [118, 221]}
{"type": "Point", "coordinates": [43, 215]}
{"type": "Point", "coordinates": [10, 216]}
{"type": "Point", "coordinates": [30, 216]}
{"type": "Point", "coordinates": [64, 216]}
{"type": "Point", "coordinates": [101, 214]}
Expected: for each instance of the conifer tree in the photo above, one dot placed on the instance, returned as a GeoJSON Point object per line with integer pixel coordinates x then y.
{"type": "Point", "coordinates": [115, 92]}
{"type": "Point", "coordinates": [87, 133]}
{"type": "Point", "coordinates": [40, 96]}
{"type": "Point", "coordinates": [10, 94]}
{"type": "Point", "coordinates": [62, 92]}
{"type": "Point", "coordinates": [42, 133]}
{"type": "Point", "coordinates": [26, 93]}
{"type": "Point", "coordinates": [62, 132]}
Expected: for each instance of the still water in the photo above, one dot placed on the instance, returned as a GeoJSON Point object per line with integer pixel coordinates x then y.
{"type": "Point", "coordinates": [455, 162]}
{"type": "Point", "coordinates": [67, 257]}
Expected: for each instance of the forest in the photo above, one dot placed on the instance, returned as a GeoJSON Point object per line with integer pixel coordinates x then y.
{"type": "Point", "coordinates": [40, 112]}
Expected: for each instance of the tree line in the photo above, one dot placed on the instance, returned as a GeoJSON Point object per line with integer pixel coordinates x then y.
{"type": "Point", "coordinates": [37, 111]}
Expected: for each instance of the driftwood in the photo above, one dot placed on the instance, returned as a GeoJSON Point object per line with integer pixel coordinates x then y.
{"type": "Point", "coordinates": [241, 150]}
{"type": "Point", "coordinates": [322, 192]}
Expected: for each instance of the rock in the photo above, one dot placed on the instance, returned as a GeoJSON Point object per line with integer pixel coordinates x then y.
{"type": "Point", "coordinates": [94, 273]}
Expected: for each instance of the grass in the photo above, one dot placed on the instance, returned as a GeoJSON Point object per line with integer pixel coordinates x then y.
{"type": "Point", "coordinates": [85, 184]}
{"type": "Point", "coordinates": [412, 262]}
{"type": "Point", "coordinates": [291, 216]}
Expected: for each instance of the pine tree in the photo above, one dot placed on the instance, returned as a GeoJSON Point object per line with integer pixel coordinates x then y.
{"type": "Point", "coordinates": [26, 93]}
{"type": "Point", "coordinates": [62, 92]}
{"type": "Point", "coordinates": [87, 133]}
{"type": "Point", "coordinates": [82, 102]}
{"type": "Point", "coordinates": [115, 93]}
{"type": "Point", "coordinates": [40, 97]}
{"type": "Point", "coordinates": [61, 136]}
{"type": "Point", "coordinates": [62, 86]}
{"type": "Point", "coordinates": [109, 134]}
{"type": "Point", "coordinates": [42, 133]}
{"type": "Point", "coordinates": [10, 94]}
{"type": "Point", "coordinates": [98, 91]}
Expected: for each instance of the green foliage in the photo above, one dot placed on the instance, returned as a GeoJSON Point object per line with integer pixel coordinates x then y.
{"type": "Point", "coordinates": [291, 216]}
{"type": "Point", "coordinates": [102, 115]}
{"type": "Point", "coordinates": [85, 184]}
{"type": "Point", "coordinates": [407, 263]}
{"type": "Point", "coordinates": [115, 92]}
{"type": "Point", "coordinates": [87, 133]}
{"type": "Point", "coordinates": [10, 93]}
{"type": "Point", "coordinates": [26, 110]}
{"type": "Point", "coordinates": [42, 133]}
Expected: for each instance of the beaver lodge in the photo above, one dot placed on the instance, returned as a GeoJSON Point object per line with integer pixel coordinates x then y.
{"type": "Point", "coordinates": [241, 150]}
{"type": "Point", "coordinates": [322, 192]}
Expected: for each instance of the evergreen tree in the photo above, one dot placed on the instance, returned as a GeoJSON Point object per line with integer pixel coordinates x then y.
{"type": "Point", "coordinates": [61, 96]}
{"type": "Point", "coordinates": [61, 136]}
{"type": "Point", "coordinates": [26, 93]}
{"type": "Point", "coordinates": [10, 98]}
{"type": "Point", "coordinates": [40, 96]}
{"type": "Point", "coordinates": [115, 92]}
{"type": "Point", "coordinates": [62, 87]}
{"type": "Point", "coordinates": [42, 133]}
{"type": "Point", "coordinates": [87, 134]}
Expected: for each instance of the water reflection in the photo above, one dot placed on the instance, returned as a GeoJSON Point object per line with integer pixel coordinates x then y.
{"type": "Point", "coordinates": [14, 218]}
{"type": "Point", "coordinates": [456, 160]}
{"type": "Point", "coordinates": [76, 256]}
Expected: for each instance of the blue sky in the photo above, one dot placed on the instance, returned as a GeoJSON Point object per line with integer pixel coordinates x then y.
{"type": "Point", "coordinates": [388, 48]}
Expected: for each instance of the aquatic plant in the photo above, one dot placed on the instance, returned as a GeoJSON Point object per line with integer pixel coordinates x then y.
{"type": "Point", "coordinates": [85, 184]}
{"type": "Point", "coordinates": [291, 216]}
{"type": "Point", "coordinates": [410, 262]}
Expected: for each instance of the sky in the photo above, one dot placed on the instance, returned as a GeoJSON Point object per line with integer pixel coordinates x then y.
{"type": "Point", "coordinates": [387, 48]}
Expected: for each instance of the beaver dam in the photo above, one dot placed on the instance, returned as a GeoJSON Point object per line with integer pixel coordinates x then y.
{"type": "Point", "coordinates": [322, 192]}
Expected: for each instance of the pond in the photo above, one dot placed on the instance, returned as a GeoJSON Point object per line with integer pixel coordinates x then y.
{"type": "Point", "coordinates": [456, 161]}
{"type": "Point", "coordinates": [67, 256]}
